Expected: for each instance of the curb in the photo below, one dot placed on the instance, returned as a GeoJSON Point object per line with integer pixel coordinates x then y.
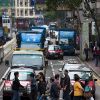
{"type": "Point", "coordinates": [89, 66]}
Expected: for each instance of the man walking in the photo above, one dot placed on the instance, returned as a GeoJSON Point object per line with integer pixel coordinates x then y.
{"type": "Point", "coordinates": [15, 87]}
{"type": "Point", "coordinates": [66, 86]}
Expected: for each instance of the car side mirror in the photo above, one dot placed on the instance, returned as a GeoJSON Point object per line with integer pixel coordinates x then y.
{"type": "Point", "coordinates": [7, 62]}
{"type": "Point", "coordinates": [3, 79]}
{"type": "Point", "coordinates": [95, 79]}
{"type": "Point", "coordinates": [60, 69]}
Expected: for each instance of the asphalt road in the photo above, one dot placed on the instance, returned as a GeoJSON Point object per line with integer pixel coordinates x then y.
{"type": "Point", "coordinates": [51, 70]}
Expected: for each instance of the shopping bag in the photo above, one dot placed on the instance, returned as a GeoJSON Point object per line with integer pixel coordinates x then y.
{"type": "Point", "coordinates": [91, 98]}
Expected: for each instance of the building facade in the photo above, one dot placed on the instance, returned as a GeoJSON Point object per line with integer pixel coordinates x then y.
{"type": "Point", "coordinates": [23, 9]}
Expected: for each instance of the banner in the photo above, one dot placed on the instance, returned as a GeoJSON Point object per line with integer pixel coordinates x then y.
{"type": "Point", "coordinates": [30, 38]}
{"type": "Point", "coordinates": [66, 34]}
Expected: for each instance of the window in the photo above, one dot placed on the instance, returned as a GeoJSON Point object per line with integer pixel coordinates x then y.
{"type": "Point", "coordinates": [21, 12]}
{"type": "Point", "coordinates": [21, 3]}
{"type": "Point", "coordinates": [26, 12]}
{"type": "Point", "coordinates": [27, 60]}
{"type": "Point", "coordinates": [17, 12]}
{"type": "Point", "coordinates": [31, 12]}
{"type": "Point", "coordinates": [26, 3]}
{"type": "Point", "coordinates": [17, 2]}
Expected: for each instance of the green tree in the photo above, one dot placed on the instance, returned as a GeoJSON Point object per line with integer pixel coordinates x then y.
{"type": "Point", "coordinates": [95, 20]}
{"type": "Point", "coordinates": [72, 4]}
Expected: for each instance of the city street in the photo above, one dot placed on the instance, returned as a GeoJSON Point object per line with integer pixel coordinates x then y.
{"type": "Point", "coordinates": [51, 70]}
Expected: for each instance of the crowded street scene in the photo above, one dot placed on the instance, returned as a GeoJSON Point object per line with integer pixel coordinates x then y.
{"type": "Point", "coordinates": [49, 50]}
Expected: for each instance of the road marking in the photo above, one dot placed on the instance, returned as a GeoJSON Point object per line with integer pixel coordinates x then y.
{"type": "Point", "coordinates": [52, 68]}
{"type": "Point", "coordinates": [3, 77]}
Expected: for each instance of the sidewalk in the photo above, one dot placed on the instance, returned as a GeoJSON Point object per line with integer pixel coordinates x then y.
{"type": "Point", "coordinates": [91, 64]}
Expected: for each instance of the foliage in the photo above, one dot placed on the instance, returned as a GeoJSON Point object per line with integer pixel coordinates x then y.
{"type": "Point", "coordinates": [50, 15]}
{"type": "Point", "coordinates": [74, 3]}
{"type": "Point", "coordinates": [53, 4]}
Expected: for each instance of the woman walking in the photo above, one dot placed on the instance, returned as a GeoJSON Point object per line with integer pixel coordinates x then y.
{"type": "Point", "coordinates": [86, 50]}
{"type": "Point", "coordinates": [78, 89]}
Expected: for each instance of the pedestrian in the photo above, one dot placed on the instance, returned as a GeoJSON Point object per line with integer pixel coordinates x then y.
{"type": "Point", "coordinates": [87, 90]}
{"type": "Point", "coordinates": [97, 55]}
{"type": "Point", "coordinates": [41, 75]}
{"type": "Point", "coordinates": [15, 87]}
{"type": "Point", "coordinates": [66, 86]}
{"type": "Point", "coordinates": [57, 81]}
{"type": "Point", "coordinates": [42, 88]}
{"type": "Point", "coordinates": [86, 50]}
{"type": "Point", "coordinates": [49, 84]}
{"type": "Point", "coordinates": [33, 94]}
{"type": "Point", "coordinates": [78, 89]}
{"type": "Point", "coordinates": [54, 90]}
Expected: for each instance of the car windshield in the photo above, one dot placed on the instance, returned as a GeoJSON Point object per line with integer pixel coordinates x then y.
{"type": "Point", "coordinates": [27, 60]}
{"type": "Point", "coordinates": [82, 74]}
{"type": "Point", "coordinates": [23, 75]}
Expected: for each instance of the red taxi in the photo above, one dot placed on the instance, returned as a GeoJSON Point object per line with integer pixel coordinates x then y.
{"type": "Point", "coordinates": [54, 51]}
{"type": "Point", "coordinates": [24, 77]}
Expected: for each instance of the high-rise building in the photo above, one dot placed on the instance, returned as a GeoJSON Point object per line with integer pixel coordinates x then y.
{"type": "Point", "coordinates": [24, 8]}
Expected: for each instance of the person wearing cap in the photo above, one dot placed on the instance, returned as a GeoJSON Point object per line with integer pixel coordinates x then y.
{"type": "Point", "coordinates": [15, 87]}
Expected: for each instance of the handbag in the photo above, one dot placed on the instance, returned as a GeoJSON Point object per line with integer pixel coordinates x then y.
{"type": "Point", "coordinates": [88, 94]}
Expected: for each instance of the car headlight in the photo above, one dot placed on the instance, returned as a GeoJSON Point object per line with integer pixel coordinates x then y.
{"type": "Point", "coordinates": [28, 89]}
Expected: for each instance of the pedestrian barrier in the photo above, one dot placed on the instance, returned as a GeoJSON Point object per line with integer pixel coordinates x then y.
{"type": "Point", "coordinates": [8, 47]}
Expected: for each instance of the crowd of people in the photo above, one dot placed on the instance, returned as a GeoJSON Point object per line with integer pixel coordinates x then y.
{"type": "Point", "coordinates": [44, 90]}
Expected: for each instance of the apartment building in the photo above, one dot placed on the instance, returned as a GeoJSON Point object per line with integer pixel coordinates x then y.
{"type": "Point", "coordinates": [23, 9]}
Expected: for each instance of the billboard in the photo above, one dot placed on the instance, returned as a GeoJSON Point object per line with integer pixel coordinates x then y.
{"type": "Point", "coordinates": [66, 34]}
{"type": "Point", "coordinates": [30, 38]}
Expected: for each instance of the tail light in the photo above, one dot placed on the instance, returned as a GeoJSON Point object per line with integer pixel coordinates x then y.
{"type": "Point", "coordinates": [7, 86]}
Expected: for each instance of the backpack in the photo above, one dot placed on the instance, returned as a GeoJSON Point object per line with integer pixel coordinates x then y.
{"type": "Point", "coordinates": [87, 92]}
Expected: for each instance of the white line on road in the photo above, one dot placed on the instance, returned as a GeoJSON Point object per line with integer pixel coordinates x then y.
{"type": "Point", "coordinates": [4, 77]}
{"type": "Point", "coordinates": [52, 68]}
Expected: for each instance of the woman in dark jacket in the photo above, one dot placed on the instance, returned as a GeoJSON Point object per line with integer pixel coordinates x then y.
{"type": "Point", "coordinates": [41, 88]}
